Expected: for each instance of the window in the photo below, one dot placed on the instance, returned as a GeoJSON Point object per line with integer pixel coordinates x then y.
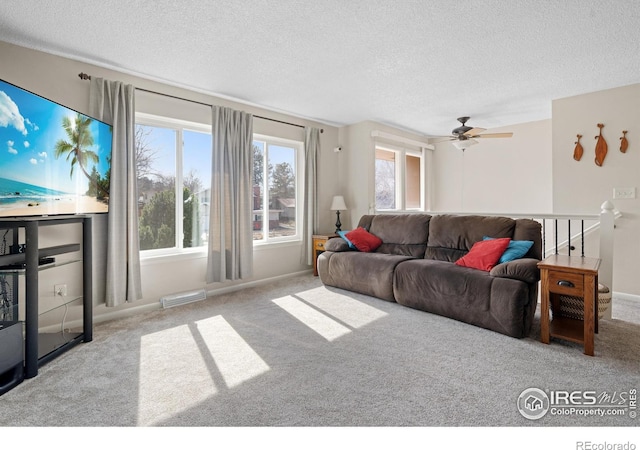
{"type": "Point", "coordinates": [173, 160]}
{"type": "Point", "coordinates": [413, 182]}
{"type": "Point", "coordinates": [399, 179]}
{"type": "Point", "coordinates": [276, 189]}
{"type": "Point", "coordinates": [386, 174]}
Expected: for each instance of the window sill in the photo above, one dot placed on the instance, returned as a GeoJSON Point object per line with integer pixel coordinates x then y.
{"type": "Point", "coordinates": [400, 211]}
{"type": "Point", "coordinates": [164, 258]}
{"type": "Point", "coordinates": [261, 246]}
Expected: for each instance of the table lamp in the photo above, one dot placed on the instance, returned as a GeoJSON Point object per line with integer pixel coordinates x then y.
{"type": "Point", "coordinates": [338, 205]}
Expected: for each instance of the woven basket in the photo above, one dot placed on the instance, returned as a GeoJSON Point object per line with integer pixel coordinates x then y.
{"type": "Point", "coordinates": [573, 307]}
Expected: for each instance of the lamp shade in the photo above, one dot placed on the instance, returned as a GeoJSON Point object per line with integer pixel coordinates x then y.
{"type": "Point", "coordinates": [338, 203]}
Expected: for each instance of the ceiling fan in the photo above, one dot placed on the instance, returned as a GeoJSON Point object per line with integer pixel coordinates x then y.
{"type": "Point", "coordinates": [465, 136]}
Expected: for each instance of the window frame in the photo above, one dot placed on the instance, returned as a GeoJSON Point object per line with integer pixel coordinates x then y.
{"type": "Point", "coordinates": [179, 126]}
{"type": "Point", "coordinates": [400, 158]}
{"type": "Point", "coordinates": [299, 171]}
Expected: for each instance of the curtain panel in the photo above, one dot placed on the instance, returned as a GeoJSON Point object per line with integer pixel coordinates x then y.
{"type": "Point", "coordinates": [310, 208]}
{"type": "Point", "coordinates": [114, 102]}
{"type": "Point", "coordinates": [230, 251]}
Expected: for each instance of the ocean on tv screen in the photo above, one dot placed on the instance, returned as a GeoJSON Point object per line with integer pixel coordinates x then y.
{"type": "Point", "coordinates": [55, 160]}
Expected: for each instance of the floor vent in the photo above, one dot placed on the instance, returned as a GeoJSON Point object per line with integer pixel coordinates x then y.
{"type": "Point", "coordinates": [183, 298]}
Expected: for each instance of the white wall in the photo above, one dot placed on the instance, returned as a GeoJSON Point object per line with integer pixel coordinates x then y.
{"type": "Point", "coordinates": [510, 175]}
{"type": "Point", "coordinates": [357, 166]}
{"type": "Point", "coordinates": [57, 78]}
{"type": "Point", "coordinates": [581, 186]}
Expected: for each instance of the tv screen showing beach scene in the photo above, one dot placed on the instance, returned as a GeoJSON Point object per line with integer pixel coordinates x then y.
{"type": "Point", "coordinates": [54, 160]}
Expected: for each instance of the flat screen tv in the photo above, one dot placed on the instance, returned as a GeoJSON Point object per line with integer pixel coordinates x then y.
{"type": "Point", "coordinates": [53, 160]}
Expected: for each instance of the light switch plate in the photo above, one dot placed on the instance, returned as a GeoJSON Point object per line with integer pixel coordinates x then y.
{"type": "Point", "coordinates": [627, 192]}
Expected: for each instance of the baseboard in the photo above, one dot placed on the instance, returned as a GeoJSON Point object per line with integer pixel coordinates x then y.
{"type": "Point", "coordinates": [248, 284]}
{"type": "Point", "coordinates": [134, 310]}
{"type": "Point", "coordinates": [126, 312]}
{"type": "Point", "coordinates": [619, 296]}
{"type": "Point", "coordinates": [624, 296]}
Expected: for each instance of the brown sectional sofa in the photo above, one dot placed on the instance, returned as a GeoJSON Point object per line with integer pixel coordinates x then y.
{"type": "Point", "coordinates": [415, 267]}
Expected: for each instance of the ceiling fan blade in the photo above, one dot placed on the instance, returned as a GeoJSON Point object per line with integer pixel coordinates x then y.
{"type": "Point", "coordinates": [494, 135]}
{"type": "Point", "coordinates": [474, 131]}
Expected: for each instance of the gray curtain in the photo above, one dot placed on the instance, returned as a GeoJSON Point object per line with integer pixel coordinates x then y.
{"type": "Point", "coordinates": [230, 255]}
{"type": "Point", "coordinates": [310, 217]}
{"type": "Point", "coordinates": [114, 102]}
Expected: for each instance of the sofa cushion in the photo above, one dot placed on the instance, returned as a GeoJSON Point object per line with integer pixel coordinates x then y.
{"type": "Point", "coordinates": [343, 235]}
{"type": "Point", "coordinates": [451, 237]}
{"type": "Point", "coordinates": [401, 234]}
{"type": "Point", "coordinates": [444, 288]}
{"type": "Point", "coordinates": [529, 230]}
{"type": "Point", "coordinates": [515, 250]}
{"type": "Point", "coordinates": [337, 245]}
{"type": "Point", "coordinates": [366, 273]}
{"type": "Point", "coordinates": [363, 240]}
{"type": "Point", "coordinates": [472, 296]}
{"type": "Point", "coordinates": [523, 269]}
{"type": "Point", "coordinates": [484, 254]}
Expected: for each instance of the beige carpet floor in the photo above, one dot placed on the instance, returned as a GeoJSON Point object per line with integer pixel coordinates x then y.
{"type": "Point", "coordinates": [296, 353]}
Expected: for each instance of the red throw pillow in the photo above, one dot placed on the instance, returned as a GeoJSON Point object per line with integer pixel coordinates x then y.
{"type": "Point", "coordinates": [484, 254]}
{"type": "Point", "coordinates": [363, 240]}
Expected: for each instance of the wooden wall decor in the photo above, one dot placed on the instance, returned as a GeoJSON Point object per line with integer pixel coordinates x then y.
{"type": "Point", "coordinates": [624, 144]}
{"type": "Point", "coordinates": [578, 151]}
{"type": "Point", "coordinates": [601, 147]}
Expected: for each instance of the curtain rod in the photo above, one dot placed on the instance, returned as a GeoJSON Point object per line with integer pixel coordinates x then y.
{"type": "Point", "coordinates": [84, 76]}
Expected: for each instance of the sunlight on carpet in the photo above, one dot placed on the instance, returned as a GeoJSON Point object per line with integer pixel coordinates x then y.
{"type": "Point", "coordinates": [318, 322]}
{"type": "Point", "coordinates": [178, 367]}
{"type": "Point", "coordinates": [234, 358]}
{"type": "Point", "coordinates": [171, 367]}
{"type": "Point", "coordinates": [325, 316]}
{"type": "Point", "coordinates": [348, 310]}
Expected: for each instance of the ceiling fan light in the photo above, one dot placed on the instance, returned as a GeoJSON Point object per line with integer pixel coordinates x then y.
{"type": "Point", "coordinates": [461, 145]}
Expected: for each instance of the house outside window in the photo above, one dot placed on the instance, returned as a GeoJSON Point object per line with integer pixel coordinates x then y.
{"type": "Point", "coordinates": [277, 177]}
{"type": "Point", "coordinates": [399, 179]}
{"type": "Point", "coordinates": [173, 160]}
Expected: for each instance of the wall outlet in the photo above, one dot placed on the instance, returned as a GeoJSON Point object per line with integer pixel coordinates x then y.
{"type": "Point", "coordinates": [60, 290]}
{"type": "Point", "coordinates": [628, 192]}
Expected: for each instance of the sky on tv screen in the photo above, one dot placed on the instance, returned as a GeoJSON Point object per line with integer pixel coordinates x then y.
{"type": "Point", "coordinates": [30, 128]}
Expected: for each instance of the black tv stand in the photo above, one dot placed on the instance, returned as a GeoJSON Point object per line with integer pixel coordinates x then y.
{"type": "Point", "coordinates": [41, 262]}
{"type": "Point", "coordinates": [46, 336]}
{"type": "Point", "coordinates": [46, 260]}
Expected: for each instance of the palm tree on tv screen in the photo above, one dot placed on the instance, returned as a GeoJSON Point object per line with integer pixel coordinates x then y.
{"type": "Point", "coordinates": [77, 147]}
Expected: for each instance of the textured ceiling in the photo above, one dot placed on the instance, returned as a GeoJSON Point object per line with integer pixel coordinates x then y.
{"type": "Point", "coordinates": [416, 65]}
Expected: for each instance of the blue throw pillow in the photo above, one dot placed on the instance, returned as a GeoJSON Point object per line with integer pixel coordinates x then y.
{"type": "Point", "coordinates": [343, 235]}
{"type": "Point", "coordinates": [515, 250]}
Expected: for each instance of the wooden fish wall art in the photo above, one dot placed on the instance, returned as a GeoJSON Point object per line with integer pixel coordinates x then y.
{"type": "Point", "coordinates": [601, 147]}
{"type": "Point", "coordinates": [624, 144]}
{"type": "Point", "coordinates": [578, 151]}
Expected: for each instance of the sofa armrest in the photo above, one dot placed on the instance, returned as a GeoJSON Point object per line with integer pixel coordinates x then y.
{"type": "Point", "coordinates": [336, 245]}
{"type": "Point", "coordinates": [524, 269]}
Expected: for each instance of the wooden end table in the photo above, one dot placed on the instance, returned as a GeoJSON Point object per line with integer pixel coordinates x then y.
{"type": "Point", "coordinates": [319, 241]}
{"type": "Point", "coordinates": [575, 276]}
